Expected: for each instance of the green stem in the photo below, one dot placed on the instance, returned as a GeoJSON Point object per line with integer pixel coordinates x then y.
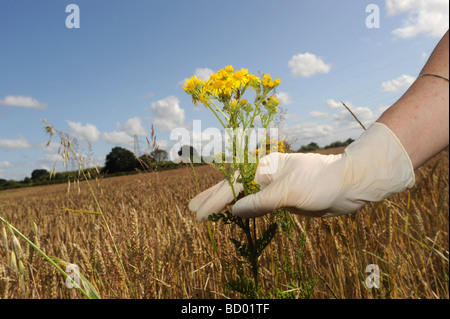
{"type": "Point", "coordinates": [218, 109]}
{"type": "Point", "coordinates": [252, 249]}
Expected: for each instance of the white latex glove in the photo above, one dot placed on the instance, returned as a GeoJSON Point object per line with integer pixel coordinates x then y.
{"type": "Point", "coordinates": [371, 169]}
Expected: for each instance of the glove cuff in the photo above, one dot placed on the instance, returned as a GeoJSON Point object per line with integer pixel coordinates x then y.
{"type": "Point", "coordinates": [378, 166]}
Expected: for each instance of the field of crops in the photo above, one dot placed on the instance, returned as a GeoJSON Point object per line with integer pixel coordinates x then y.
{"type": "Point", "coordinates": [165, 253]}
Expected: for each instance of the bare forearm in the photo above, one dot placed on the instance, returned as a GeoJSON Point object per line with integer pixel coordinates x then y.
{"type": "Point", "coordinates": [420, 117]}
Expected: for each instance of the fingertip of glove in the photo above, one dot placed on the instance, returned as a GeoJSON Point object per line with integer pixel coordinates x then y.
{"type": "Point", "coordinates": [244, 208]}
{"type": "Point", "coordinates": [193, 205]}
{"type": "Point", "coordinates": [201, 218]}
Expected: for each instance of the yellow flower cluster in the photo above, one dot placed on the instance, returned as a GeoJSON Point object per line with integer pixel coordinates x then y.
{"type": "Point", "coordinates": [225, 83]}
{"type": "Point", "coordinates": [252, 187]}
{"type": "Point", "coordinates": [267, 81]}
{"type": "Point", "coordinates": [281, 148]}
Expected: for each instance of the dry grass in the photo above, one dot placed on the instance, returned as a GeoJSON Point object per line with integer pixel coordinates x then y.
{"type": "Point", "coordinates": [167, 254]}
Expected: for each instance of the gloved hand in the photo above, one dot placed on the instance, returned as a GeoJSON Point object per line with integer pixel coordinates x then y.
{"type": "Point", "coordinates": [371, 169]}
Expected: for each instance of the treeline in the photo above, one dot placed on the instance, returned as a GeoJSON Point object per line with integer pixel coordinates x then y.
{"type": "Point", "coordinates": [42, 177]}
{"type": "Point", "coordinates": [313, 146]}
{"type": "Point", "coordinates": [119, 162]}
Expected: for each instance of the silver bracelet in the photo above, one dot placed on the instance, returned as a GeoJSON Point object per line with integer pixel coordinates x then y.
{"type": "Point", "coordinates": [434, 75]}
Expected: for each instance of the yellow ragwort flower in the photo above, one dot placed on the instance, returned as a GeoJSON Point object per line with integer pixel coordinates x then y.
{"type": "Point", "coordinates": [223, 73]}
{"type": "Point", "coordinates": [254, 81]}
{"type": "Point", "coordinates": [216, 88]}
{"type": "Point", "coordinates": [253, 77]}
{"type": "Point", "coordinates": [229, 68]}
{"type": "Point", "coordinates": [240, 78]}
{"type": "Point", "coordinates": [279, 144]}
{"type": "Point", "coordinates": [228, 87]}
{"type": "Point", "coordinates": [213, 77]}
{"type": "Point", "coordinates": [281, 147]}
{"type": "Point", "coordinates": [253, 187]}
{"type": "Point", "coordinates": [192, 83]}
{"type": "Point", "coordinates": [203, 98]}
{"type": "Point", "coordinates": [274, 100]}
{"type": "Point", "coordinates": [266, 79]}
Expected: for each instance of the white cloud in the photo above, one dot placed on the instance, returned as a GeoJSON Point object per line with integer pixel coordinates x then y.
{"type": "Point", "coordinates": [318, 114]}
{"type": "Point", "coordinates": [429, 17]}
{"type": "Point", "coordinates": [99, 160]}
{"type": "Point", "coordinates": [11, 144]}
{"type": "Point", "coordinates": [165, 125]}
{"type": "Point", "coordinates": [285, 98]}
{"type": "Point", "coordinates": [307, 64]}
{"type": "Point", "coordinates": [162, 144]}
{"type": "Point", "coordinates": [339, 126]}
{"type": "Point", "coordinates": [23, 101]}
{"type": "Point", "coordinates": [5, 164]}
{"type": "Point", "coordinates": [333, 105]}
{"type": "Point", "coordinates": [345, 119]}
{"type": "Point", "coordinates": [291, 116]}
{"type": "Point", "coordinates": [134, 127]}
{"type": "Point", "coordinates": [308, 130]}
{"type": "Point", "coordinates": [51, 158]}
{"type": "Point", "coordinates": [398, 84]}
{"type": "Point", "coordinates": [87, 133]}
{"type": "Point", "coordinates": [124, 135]}
{"type": "Point", "coordinates": [169, 113]}
{"type": "Point", "coordinates": [203, 73]}
{"type": "Point", "coordinates": [118, 138]}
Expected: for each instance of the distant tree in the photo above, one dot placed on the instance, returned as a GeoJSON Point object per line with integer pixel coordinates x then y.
{"type": "Point", "coordinates": [10, 184]}
{"type": "Point", "coordinates": [120, 160]}
{"type": "Point", "coordinates": [340, 144]}
{"type": "Point", "coordinates": [309, 148]}
{"type": "Point", "coordinates": [187, 152]}
{"type": "Point", "coordinates": [146, 161]}
{"type": "Point", "coordinates": [3, 181]}
{"type": "Point", "coordinates": [159, 155]}
{"type": "Point", "coordinates": [39, 174]}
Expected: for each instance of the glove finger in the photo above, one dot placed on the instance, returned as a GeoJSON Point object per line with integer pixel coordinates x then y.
{"type": "Point", "coordinates": [199, 199]}
{"type": "Point", "coordinates": [259, 204]}
{"type": "Point", "coordinates": [217, 199]}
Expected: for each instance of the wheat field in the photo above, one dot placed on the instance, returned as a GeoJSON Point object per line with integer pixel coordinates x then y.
{"type": "Point", "coordinates": [167, 254]}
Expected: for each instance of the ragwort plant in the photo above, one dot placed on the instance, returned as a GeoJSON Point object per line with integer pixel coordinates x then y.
{"type": "Point", "coordinates": [223, 94]}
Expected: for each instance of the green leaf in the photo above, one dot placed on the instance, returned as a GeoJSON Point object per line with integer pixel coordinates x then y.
{"type": "Point", "coordinates": [211, 237]}
{"type": "Point", "coordinates": [264, 241]}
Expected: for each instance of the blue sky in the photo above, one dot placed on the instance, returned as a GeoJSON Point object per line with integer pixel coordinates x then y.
{"type": "Point", "coordinates": [121, 70]}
